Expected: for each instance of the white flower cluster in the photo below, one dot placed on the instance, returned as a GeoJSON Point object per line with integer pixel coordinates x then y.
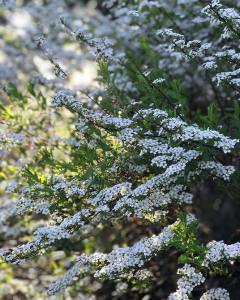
{"type": "Point", "coordinates": [27, 204]}
{"type": "Point", "coordinates": [184, 132]}
{"type": "Point", "coordinates": [128, 135]}
{"type": "Point", "coordinates": [27, 201]}
{"type": "Point", "coordinates": [216, 294]}
{"type": "Point", "coordinates": [181, 131]}
{"type": "Point", "coordinates": [80, 269]}
{"type": "Point", "coordinates": [182, 48]}
{"type": "Point", "coordinates": [168, 32]}
{"type": "Point", "coordinates": [217, 169]}
{"type": "Point", "coordinates": [103, 200]}
{"type": "Point", "coordinates": [155, 200]}
{"type": "Point", "coordinates": [64, 98]}
{"type": "Point", "coordinates": [230, 76]}
{"type": "Point", "coordinates": [117, 262]}
{"type": "Point", "coordinates": [122, 259]}
{"type": "Point", "coordinates": [71, 188]}
{"type": "Point", "coordinates": [159, 80]}
{"type": "Point", "coordinates": [190, 278]}
{"type": "Point", "coordinates": [219, 15]}
{"type": "Point", "coordinates": [46, 236]}
{"type": "Point", "coordinates": [218, 250]}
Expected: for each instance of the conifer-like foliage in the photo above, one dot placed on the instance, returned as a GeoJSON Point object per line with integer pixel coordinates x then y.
{"type": "Point", "coordinates": [113, 173]}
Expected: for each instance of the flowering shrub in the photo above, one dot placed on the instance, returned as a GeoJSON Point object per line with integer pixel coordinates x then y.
{"type": "Point", "coordinates": [162, 120]}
